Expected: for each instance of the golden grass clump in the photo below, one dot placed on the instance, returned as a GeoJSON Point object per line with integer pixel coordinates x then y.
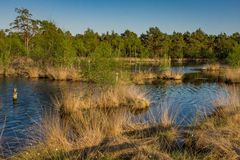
{"type": "Point", "coordinates": [212, 67]}
{"type": "Point", "coordinates": [57, 73]}
{"type": "Point", "coordinates": [125, 96]}
{"type": "Point", "coordinates": [167, 119]}
{"type": "Point", "coordinates": [82, 136]}
{"type": "Point", "coordinates": [115, 97]}
{"type": "Point", "coordinates": [33, 72]}
{"type": "Point", "coordinates": [168, 131]}
{"type": "Point", "coordinates": [232, 75]}
{"type": "Point", "coordinates": [69, 103]}
{"type": "Point", "coordinates": [170, 75]}
{"type": "Point", "coordinates": [143, 77]}
{"type": "Point", "coordinates": [9, 71]}
{"type": "Point", "coordinates": [56, 134]}
{"type": "Point", "coordinates": [228, 104]}
{"type": "Point", "coordinates": [63, 73]}
{"type": "Point", "coordinates": [219, 133]}
{"type": "Point", "coordinates": [74, 75]}
{"type": "Point", "coordinates": [166, 116]}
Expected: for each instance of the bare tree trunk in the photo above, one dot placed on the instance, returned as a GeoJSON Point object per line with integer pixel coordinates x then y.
{"type": "Point", "coordinates": [27, 45]}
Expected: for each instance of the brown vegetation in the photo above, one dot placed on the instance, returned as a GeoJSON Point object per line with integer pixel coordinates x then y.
{"type": "Point", "coordinates": [129, 97]}
{"type": "Point", "coordinates": [151, 77]}
{"type": "Point", "coordinates": [26, 67]}
{"type": "Point", "coordinates": [143, 77]}
{"type": "Point", "coordinates": [226, 74]}
{"type": "Point", "coordinates": [212, 67]}
{"type": "Point", "coordinates": [218, 136]}
{"type": "Point", "coordinates": [170, 75]}
{"type": "Point", "coordinates": [97, 124]}
{"type": "Point", "coordinates": [101, 132]}
{"type": "Point", "coordinates": [232, 75]}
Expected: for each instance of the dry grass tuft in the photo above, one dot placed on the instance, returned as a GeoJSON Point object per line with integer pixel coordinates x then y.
{"type": "Point", "coordinates": [105, 130]}
{"type": "Point", "coordinates": [69, 103]}
{"type": "Point", "coordinates": [212, 67]}
{"type": "Point", "coordinates": [170, 75]}
{"type": "Point", "coordinates": [232, 75]}
{"type": "Point", "coordinates": [56, 134]}
{"type": "Point", "coordinates": [33, 72]}
{"type": "Point", "coordinates": [55, 73]}
{"type": "Point", "coordinates": [143, 77]}
{"type": "Point", "coordinates": [166, 120]}
{"type": "Point", "coordinates": [115, 97]}
{"type": "Point", "coordinates": [167, 116]}
{"type": "Point", "coordinates": [82, 136]}
{"type": "Point", "coordinates": [219, 133]}
{"type": "Point", "coordinates": [63, 73]}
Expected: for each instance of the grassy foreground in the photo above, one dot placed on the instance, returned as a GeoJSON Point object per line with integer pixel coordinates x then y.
{"type": "Point", "coordinates": [99, 126]}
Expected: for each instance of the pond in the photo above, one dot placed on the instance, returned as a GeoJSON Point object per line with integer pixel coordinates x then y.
{"type": "Point", "coordinates": [35, 100]}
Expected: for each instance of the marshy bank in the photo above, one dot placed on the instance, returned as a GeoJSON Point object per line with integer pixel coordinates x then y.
{"type": "Point", "coordinates": [225, 74]}
{"type": "Point", "coordinates": [29, 68]}
{"type": "Point", "coordinates": [79, 132]}
{"type": "Point", "coordinates": [156, 130]}
{"type": "Point", "coordinates": [138, 73]}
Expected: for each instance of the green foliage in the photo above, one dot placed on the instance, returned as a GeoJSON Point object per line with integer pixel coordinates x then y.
{"type": "Point", "coordinates": [157, 42]}
{"type": "Point", "coordinates": [45, 40]}
{"type": "Point", "coordinates": [177, 45]}
{"type": "Point", "coordinates": [5, 59]}
{"type": "Point", "coordinates": [132, 44]}
{"type": "Point", "coordinates": [53, 44]}
{"type": "Point", "coordinates": [165, 62]}
{"type": "Point", "coordinates": [4, 50]}
{"type": "Point", "coordinates": [100, 66]}
{"type": "Point", "coordinates": [79, 46]}
{"type": "Point", "coordinates": [25, 25]}
{"type": "Point", "coordinates": [90, 41]}
{"type": "Point", "coordinates": [16, 45]}
{"type": "Point", "coordinates": [234, 57]}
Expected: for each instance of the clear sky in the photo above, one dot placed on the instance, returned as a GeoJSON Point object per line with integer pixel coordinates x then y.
{"type": "Point", "coordinates": [213, 16]}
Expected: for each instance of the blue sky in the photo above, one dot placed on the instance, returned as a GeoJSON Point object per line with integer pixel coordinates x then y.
{"type": "Point", "coordinates": [213, 16]}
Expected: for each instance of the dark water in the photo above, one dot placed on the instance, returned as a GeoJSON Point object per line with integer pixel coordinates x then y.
{"type": "Point", "coordinates": [35, 98]}
{"type": "Point", "coordinates": [193, 68]}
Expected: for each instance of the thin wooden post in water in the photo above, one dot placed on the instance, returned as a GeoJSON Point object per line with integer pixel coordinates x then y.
{"type": "Point", "coordinates": [15, 94]}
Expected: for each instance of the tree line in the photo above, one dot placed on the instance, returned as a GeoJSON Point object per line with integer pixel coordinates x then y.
{"type": "Point", "coordinates": [44, 39]}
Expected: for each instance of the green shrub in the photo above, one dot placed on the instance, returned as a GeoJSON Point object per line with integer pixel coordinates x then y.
{"type": "Point", "coordinates": [5, 59]}
{"type": "Point", "coordinates": [100, 67]}
{"type": "Point", "coordinates": [234, 57]}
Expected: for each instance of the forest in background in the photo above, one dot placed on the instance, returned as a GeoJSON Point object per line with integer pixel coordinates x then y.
{"type": "Point", "coordinates": [43, 39]}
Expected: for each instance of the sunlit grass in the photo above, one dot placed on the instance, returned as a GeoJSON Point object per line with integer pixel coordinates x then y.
{"type": "Point", "coordinates": [109, 132]}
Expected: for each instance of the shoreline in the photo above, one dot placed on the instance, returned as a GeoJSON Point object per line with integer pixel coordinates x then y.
{"type": "Point", "coordinates": [28, 68]}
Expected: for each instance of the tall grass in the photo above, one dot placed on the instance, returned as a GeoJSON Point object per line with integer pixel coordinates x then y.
{"type": "Point", "coordinates": [129, 97]}
{"type": "Point", "coordinates": [62, 73]}
{"type": "Point", "coordinates": [83, 135]}
{"type": "Point", "coordinates": [218, 136]}
{"type": "Point", "coordinates": [100, 132]}
{"type": "Point", "coordinates": [232, 75]}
